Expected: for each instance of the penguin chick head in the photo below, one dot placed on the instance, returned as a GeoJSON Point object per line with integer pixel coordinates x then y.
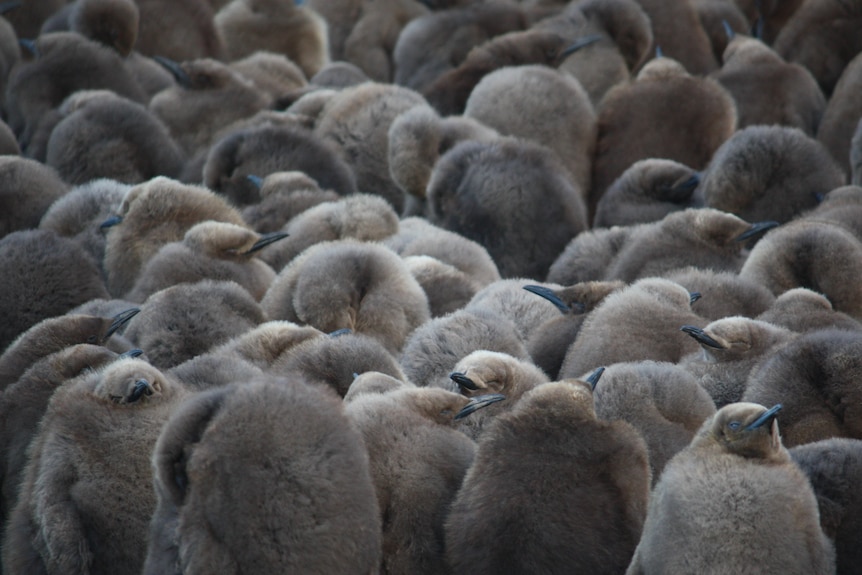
{"type": "Point", "coordinates": [574, 397]}
{"type": "Point", "coordinates": [484, 372]}
{"type": "Point", "coordinates": [130, 381]}
{"type": "Point", "coordinates": [445, 407]}
{"type": "Point", "coordinates": [746, 429]}
{"type": "Point", "coordinates": [227, 241]}
{"type": "Point", "coordinates": [733, 338]}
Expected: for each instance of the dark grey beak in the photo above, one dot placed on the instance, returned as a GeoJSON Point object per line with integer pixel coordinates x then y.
{"type": "Point", "coordinates": [693, 297]}
{"type": "Point", "coordinates": [767, 417]}
{"type": "Point", "coordinates": [265, 240]}
{"type": "Point", "coordinates": [479, 402]}
{"type": "Point", "coordinates": [549, 295]}
{"type": "Point", "coordinates": [578, 44]}
{"type": "Point", "coordinates": [132, 353]}
{"type": "Point", "coordinates": [110, 222]}
{"type": "Point", "coordinates": [256, 180]}
{"type": "Point", "coordinates": [658, 52]}
{"type": "Point", "coordinates": [176, 70]}
{"type": "Point", "coordinates": [120, 320]}
{"type": "Point", "coordinates": [755, 230]}
{"type": "Point", "coordinates": [142, 387]}
{"type": "Point", "coordinates": [463, 381]}
{"type": "Point", "coordinates": [340, 332]}
{"type": "Point", "coordinates": [594, 377]}
{"type": "Point", "coordinates": [728, 30]}
{"type": "Point", "coordinates": [701, 336]}
{"type": "Point", "coordinates": [30, 46]}
{"type": "Point", "coordinates": [682, 191]}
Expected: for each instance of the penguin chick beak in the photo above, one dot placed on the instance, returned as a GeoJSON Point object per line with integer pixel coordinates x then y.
{"type": "Point", "coordinates": [693, 297]}
{"type": "Point", "coordinates": [6, 7]}
{"type": "Point", "coordinates": [682, 191]}
{"type": "Point", "coordinates": [578, 44]}
{"type": "Point", "coordinates": [767, 417]}
{"type": "Point", "coordinates": [755, 230]}
{"type": "Point", "coordinates": [30, 46]}
{"type": "Point", "coordinates": [700, 336]}
{"type": "Point", "coordinates": [120, 320]}
{"type": "Point", "coordinates": [176, 70]}
{"type": "Point", "coordinates": [728, 30]}
{"type": "Point", "coordinates": [132, 353]}
{"type": "Point", "coordinates": [142, 387]}
{"type": "Point", "coordinates": [340, 332]}
{"type": "Point", "coordinates": [256, 180]}
{"type": "Point", "coordinates": [265, 240]}
{"type": "Point", "coordinates": [479, 402]}
{"type": "Point", "coordinates": [594, 377]}
{"type": "Point", "coordinates": [463, 381]}
{"type": "Point", "coordinates": [110, 222]}
{"type": "Point", "coordinates": [549, 295]}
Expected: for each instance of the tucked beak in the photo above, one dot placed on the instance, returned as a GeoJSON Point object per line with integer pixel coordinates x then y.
{"type": "Point", "coordinates": [340, 332]}
{"type": "Point", "coordinates": [265, 240]}
{"type": "Point", "coordinates": [549, 295]}
{"type": "Point", "coordinates": [693, 297]}
{"type": "Point", "coordinates": [700, 336]}
{"type": "Point", "coordinates": [463, 381]}
{"type": "Point", "coordinates": [578, 44]}
{"type": "Point", "coordinates": [132, 353]}
{"type": "Point", "coordinates": [120, 320]}
{"type": "Point", "coordinates": [110, 222]}
{"type": "Point", "coordinates": [755, 230]}
{"type": "Point", "coordinates": [594, 377]}
{"type": "Point", "coordinates": [256, 180]}
{"type": "Point", "coordinates": [176, 70]}
{"type": "Point", "coordinates": [479, 402]}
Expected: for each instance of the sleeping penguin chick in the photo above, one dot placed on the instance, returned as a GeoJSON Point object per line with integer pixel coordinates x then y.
{"type": "Point", "coordinates": [646, 192]}
{"type": "Point", "coordinates": [678, 32]}
{"type": "Point", "coordinates": [638, 322]}
{"type": "Point", "coordinates": [769, 173]}
{"type": "Point", "coordinates": [586, 256]}
{"type": "Point", "coordinates": [84, 503]}
{"type": "Point", "coordinates": [512, 197]}
{"type": "Point", "coordinates": [654, 116]}
{"type": "Point", "coordinates": [552, 490]}
{"type": "Point", "coordinates": [803, 310]}
{"type": "Point", "coordinates": [834, 467]}
{"type": "Point", "coordinates": [283, 196]}
{"type": "Point", "coordinates": [842, 206]}
{"type": "Point", "coordinates": [44, 275]}
{"type": "Point", "coordinates": [734, 502]}
{"type": "Point", "coordinates": [548, 343]}
{"type": "Point", "coordinates": [152, 214]}
{"type": "Point", "coordinates": [374, 383]}
{"type": "Point", "coordinates": [768, 90]}
{"type": "Point", "coordinates": [434, 348]}
{"type": "Point", "coordinates": [289, 28]}
{"type": "Point", "coordinates": [448, 289]}
{"type": "Point", "coordinates": [28, 189]}
{"type": "Point", "coordinates": [816, 375]}
{"type": "Point", "coordinates": [349, 284]}
{"type": "Point", "coordinates": [267, 476]}
{"type": "Point", "coordinates": [509, 298]}
{"type": "Point", "coordinates": [178, 29]}
{"type": "Point", "coordinates": [102, 135]}
{"type": "Point", "coordinates": [732, 347]}
{"type": "Point", "coordinates": [418, 461]}
{"type": "Point", "coordinates": [723, 293]}
{"type": "Point", "coordinates": [483, 372]}
{"type": "Point", "coordinates": [274, 74]}
{"type": "Point", "coordinates": [364, 217]}
{"type": "Point", "coordinates": [209, 250]}
{"type": "Point", "coordinates": [659, 399]}
{"type": "Point", "coordinates": [820, 256]}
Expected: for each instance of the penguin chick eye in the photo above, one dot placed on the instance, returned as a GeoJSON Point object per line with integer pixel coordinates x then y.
{"type": "Point", "coordinates": [734, 425]}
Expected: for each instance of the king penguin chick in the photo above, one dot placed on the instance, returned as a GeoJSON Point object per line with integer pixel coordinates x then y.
{"type": "Point", "coordinates": [768, 90]}
{"type": "Point", "coordinates": [490, 193]}
{"type": "Point", "coordinates": [263, 150]}
{"type": "Point", "coordinates": [509, 298]}
{"type": "Point", "coordinates": [432, 351]}
{"type": "Point", "coordinates": [418, 461]}
{"type": "Point", "coordinates": [638, 322]}
{"type": "Point", "coordinates": [552, 490]}
{"type": "Point", "coordinates": [283, 196]}
{"type": "Point", "coordinates": [78, 214]}
{"type": "Point", "coordinates": [336, 359]}
{"type": "Point", "coordinates": [542, 105]}
{"type": "Point", "coordinates": [820, 256]}
{"type": "Point", "coordinates": [185, 320]}
{"type": "Point", "coordinates": [842, 114]}
{"type": "Point", "coordinates": [652, 118]}
{"type": "Point", "coordinates": [274, 74]}
{"type": "Point", "coordinates": [723, 293]}
{"type": "Point", "coordinates": [678, 32]}
{"type": "Point", "coordinates": [803, 310]}
{"type": "Point", "coordinates": [152, 214]}
{"type": "Point", "coordinates": [374, 383]}
{"type": "Point", "coordinates": [297, 31]}
{"type": "Point", "coordinates": [209, 250]}
{"type": "Point", "coordinates": [483, 372]}
{"type": "Point", "coordinates": [734, 502]}
{"type": "Point", "coordinates": [816, 376]}
{"type": "Point", "coordinates": [822, 36]}
{"type": "Point", "coordinates": [548, 343]}
{"type": "Point", "coordinates": [28, 189]}
{"type": "Point", "coordinates": [769, 173]}
{"type": "Point", "coordinates": [661, 400]}
{"type": "Point", "coordinates": [305, 502]}
{"type": "Point", "coordinates": [44, 275]}
{"type": "Point", "coordinates": [356, 121]}
{"type": "Point", "coordinates": [843, 206]}
{"type": "Point", "coordinates": [84, 503]}
{"type": "Point", "coordinates": [646, 192]}
{"type": "Point", "coordinates": [731, 348]}
{"type": "Point", "coordinates": [56, 333]}
{"type": "Point", "coordinates": [178, 29]}
{"type": "Point", "coordinates": [102, 135]}
{"type": "Point", "coordinates": [834, 467]}
{"type": "Point", "coordinates": [363, 217]}
{"type": "Point", "coordinates": [348, 284]}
